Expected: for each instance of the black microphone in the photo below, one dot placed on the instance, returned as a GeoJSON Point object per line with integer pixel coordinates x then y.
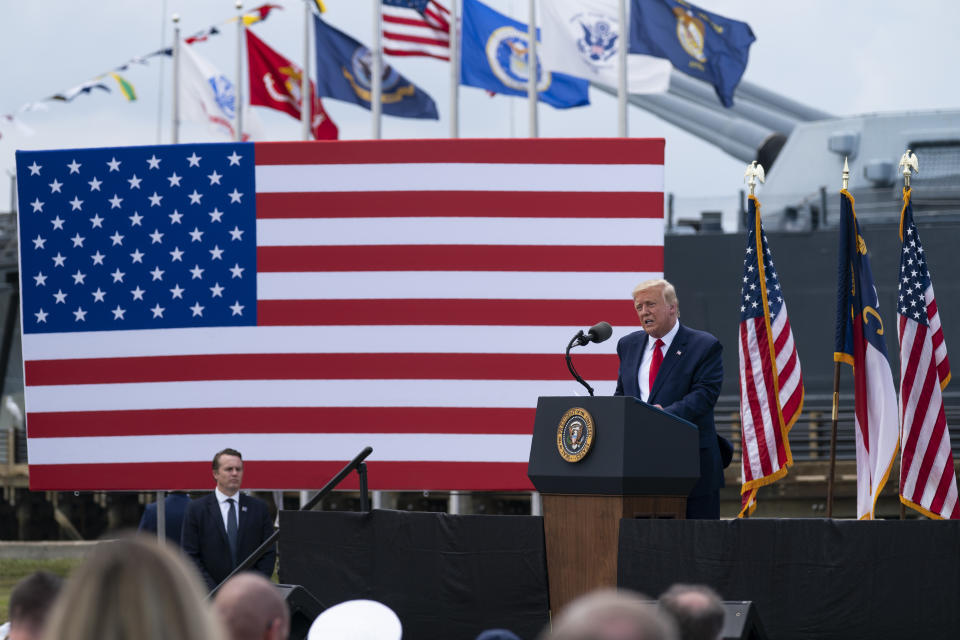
{"type": "Point", "coordinates": [597, 333]}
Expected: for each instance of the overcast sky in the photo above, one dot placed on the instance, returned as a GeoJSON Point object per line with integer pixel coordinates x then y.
{"type": "Point", "coordinates": [843, 57]}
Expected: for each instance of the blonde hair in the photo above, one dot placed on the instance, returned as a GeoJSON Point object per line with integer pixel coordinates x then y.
{"type": "Point", "coordinates": [133, 588]}
{"type": "Point", "coordinates": [669, 293]}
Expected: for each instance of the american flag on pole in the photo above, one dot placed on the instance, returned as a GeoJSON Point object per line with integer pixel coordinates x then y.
{"type": "Point", "coordinates": [860, 343]}
{"type": "Point", "coordinates": [299, 301]}
{"type": "Point", "coordinates": [416, 28]}
{"type": "Point", "coordinates": [771, 383]}
{"type": "Point", "coordinates": [928, 481]}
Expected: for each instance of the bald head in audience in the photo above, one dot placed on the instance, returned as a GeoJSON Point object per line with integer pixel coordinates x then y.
{"type": "Point", "coordinates": [251, 608]}
{"type": "Point", "coordinates": [608, 614]}
{"type": "Point", "coordinates": [697, 610]}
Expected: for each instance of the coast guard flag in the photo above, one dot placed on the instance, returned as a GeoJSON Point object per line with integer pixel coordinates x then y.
{"type": "Point", "coordinates": [343, 73]}
{"type": "Point", "coordinates": [860, 343]}
{"type": "Point", "coordinates": [301, 301]}
{"type": "Point", "coordinates": [699, 43]}
{"type": "Point", "coordinates": [771, 383]}
{"type": "Point", "coordinates": [928, 482]}
{"type": "Point", "coordinates": [581, 38]}
{"type": "Point", "coordinates": [495, 57]}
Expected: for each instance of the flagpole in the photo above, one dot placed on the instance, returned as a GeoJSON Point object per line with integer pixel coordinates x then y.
{"type": "Point", "coordinates": [376, 72]}
{"type": "Point", "coordinates": [163, 42]}
{"type": "Point", "coordinates": [622, 72]}
{"type": "Point", "coordinates": [176, 81]}
{"type": "Point", "coordinates": [306, 96]}
{"type": "Point", "coordinates": [454, 73]}
{"type": "Point", "coordinates": [836, 397]}
{"type": "Point", "coordinates": [532, 68]}
{"type": "Point", "coordinates": [238, 93]}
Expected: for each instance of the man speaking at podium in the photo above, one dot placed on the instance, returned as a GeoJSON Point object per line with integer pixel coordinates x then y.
{"type": "Point", "coordinates": [679, 370]}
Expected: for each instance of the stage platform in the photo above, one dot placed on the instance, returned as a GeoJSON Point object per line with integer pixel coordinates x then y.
{"type": "Point", "coordinates": [453, 576]}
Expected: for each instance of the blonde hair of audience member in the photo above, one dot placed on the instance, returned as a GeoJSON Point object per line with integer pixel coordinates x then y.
{"type": "Point", "coordinates": [608, 614]}
{"type": "Point", "coordinates": [251, 609]}
{"type": "Point", "coordinates": [133, 588]}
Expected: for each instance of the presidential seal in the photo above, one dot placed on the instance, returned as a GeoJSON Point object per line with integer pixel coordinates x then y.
{"type": "Point", "coordinates": [575, 434]}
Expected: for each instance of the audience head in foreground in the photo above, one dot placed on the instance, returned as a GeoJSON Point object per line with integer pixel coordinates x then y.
{"type": "Point", "coordinates": [608, 614]}
{"type": "Point", "coordinates": [697, 610]}
{"type": "Point", "coordinates": [133, 588]}
{"type": "Point", "coordinates": [252, 609]}
{"type": "Point", "coordinates": [30, 602]}
{"type": "Point", "coordinates": [357, 620]}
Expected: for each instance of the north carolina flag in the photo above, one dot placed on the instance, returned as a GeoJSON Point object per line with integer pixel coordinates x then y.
{"type": "Point", "coordinates": [860, 343]}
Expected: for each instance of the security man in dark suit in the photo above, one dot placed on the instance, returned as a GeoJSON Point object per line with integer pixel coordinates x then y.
{"type": "Point", "coordinates": [679, 370]}
{"type": "Point", "coordinates": [175, 507]}
{"type": "Point", "coordinates": [221, 529]}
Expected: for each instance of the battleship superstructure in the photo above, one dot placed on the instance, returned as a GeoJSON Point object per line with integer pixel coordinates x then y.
{"type": "Point", "coordinates": [803, 148]}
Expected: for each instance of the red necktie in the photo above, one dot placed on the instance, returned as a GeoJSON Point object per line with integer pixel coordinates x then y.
{"type": "Point", "coordinates": [655, 363]}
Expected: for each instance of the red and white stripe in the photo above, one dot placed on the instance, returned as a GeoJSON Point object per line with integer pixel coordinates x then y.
{"type": "Point", "coordinates": [406, 32]}
{"type": "Point", "coordinates": [414, 296]}
{"type": "Point", "coordinates": [771, 383]}
{"type": "Point", "coordinates": [771, 398]}
{"type": "Point", "coordinates": [928, 480]}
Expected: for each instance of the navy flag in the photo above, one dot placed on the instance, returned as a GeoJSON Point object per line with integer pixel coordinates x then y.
{"type": "Point", "coordinates": [699, 43]}
{"type": "Point", "coordinates": [343, 73]}
{"type": "Point", "coordinates": [495, 57]}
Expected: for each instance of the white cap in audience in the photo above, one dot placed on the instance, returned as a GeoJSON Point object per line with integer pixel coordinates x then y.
{"type": "Point", "coordinates": [357, 620]}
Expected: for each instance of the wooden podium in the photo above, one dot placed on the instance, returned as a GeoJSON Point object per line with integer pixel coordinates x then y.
{"type": "Point", "coordinates": [641, 463]}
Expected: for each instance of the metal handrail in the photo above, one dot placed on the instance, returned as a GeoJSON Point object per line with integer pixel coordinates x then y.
{"type": "Point", "coordinates": [810, 435]}
{"type": "Point", "coordinates": [357, 463]}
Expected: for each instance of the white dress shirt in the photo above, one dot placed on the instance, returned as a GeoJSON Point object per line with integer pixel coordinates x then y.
{"type": "Point", "coordinates": [225, 506]}
{"type": "Point", "coordinates": [643, 375]}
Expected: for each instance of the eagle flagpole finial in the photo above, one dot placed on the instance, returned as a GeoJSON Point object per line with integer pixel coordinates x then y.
{"type": "Point", "coordinates": [753, 173]}
{"type": "Point", "coordinates": [909, 161]}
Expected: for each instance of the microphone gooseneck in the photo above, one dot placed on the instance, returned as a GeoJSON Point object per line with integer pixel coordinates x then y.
{"type": "Point", "coordinates": [597, 333]}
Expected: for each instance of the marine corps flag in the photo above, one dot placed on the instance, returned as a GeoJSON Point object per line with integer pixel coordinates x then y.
{"type": "Point", "coordinates": [275, 82]}
{"type": "Point", "coordinates": [860, 343]}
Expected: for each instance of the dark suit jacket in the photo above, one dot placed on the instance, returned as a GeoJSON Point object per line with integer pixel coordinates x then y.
{"type": "Point", "coordinates": [175, 507]}
{"type": "Point", "coordinates": [204, 538]}
{"type": "Point", "coordinates": [687, 385]}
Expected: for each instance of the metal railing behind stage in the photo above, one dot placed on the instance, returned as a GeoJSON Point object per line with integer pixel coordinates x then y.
{"type": "Point", "coordinates": [358, 464]}
{"type": "Point", "coordinates": [810, 436]}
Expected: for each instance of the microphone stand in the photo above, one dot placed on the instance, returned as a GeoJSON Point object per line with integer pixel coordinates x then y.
{"type": "Point", "coordinates": [577, 339]}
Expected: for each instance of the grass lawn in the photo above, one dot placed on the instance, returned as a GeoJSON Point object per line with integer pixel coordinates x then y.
{"type": "Point", "coordinates": [13, 569]}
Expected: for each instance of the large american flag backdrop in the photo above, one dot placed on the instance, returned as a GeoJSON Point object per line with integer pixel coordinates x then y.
{"type": "Point", "coordinates": [299, 301]}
